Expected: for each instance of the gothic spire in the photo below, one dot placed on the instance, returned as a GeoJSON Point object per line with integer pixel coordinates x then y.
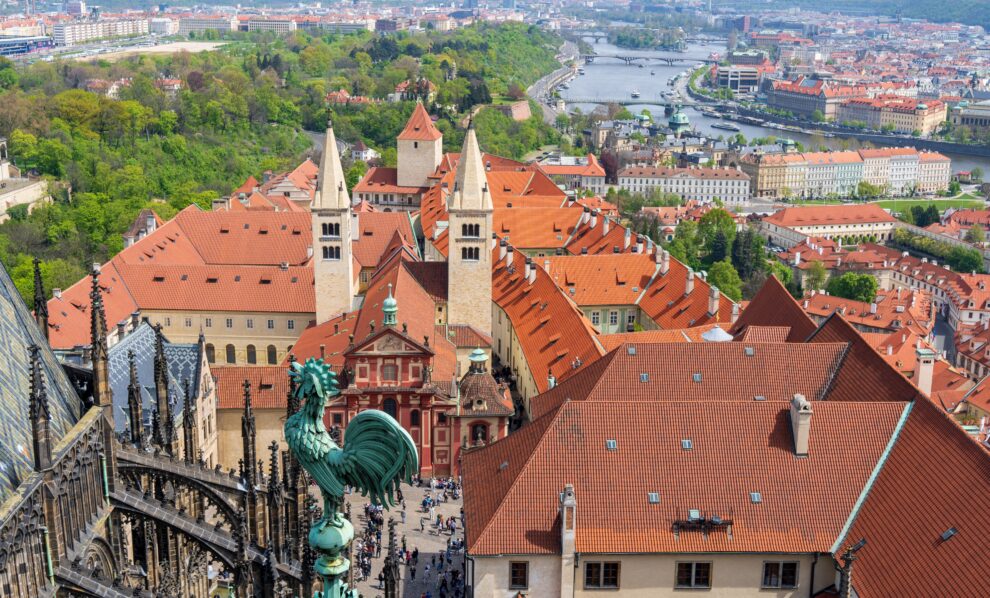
{"type": "Point", "coordinates": [98, 341]}
{"type": "Point", "coordinates": [135, 405]}
{"type": "Point", "coordinates": [162, 394]}
{"type": "Point", "coordinates": [40, 300]}
{"type": "Point", "coordinates": [188, 425]}
{"type": "Point", "coordinates": [39, 413]}
{"type": "Point", "coordinates": [471, 182]}
{"type": "Point", "coordinates": [331, 191]}
{"type": "Point", "coordinates": [274, 510]}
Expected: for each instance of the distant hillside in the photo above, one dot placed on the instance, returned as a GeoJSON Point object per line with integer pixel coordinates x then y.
{"type": "Point", "coordinates": [971, 12]}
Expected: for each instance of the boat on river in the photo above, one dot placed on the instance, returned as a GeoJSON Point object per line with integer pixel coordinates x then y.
{"type": "Point", "coordinates": [726, 127]}
{"type": "Point", "coordinates": [635, 94]}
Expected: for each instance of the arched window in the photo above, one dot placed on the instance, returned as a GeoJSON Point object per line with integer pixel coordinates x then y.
{"type": "Point", "coordinates": [211, 353]}
{"type": "Point", "coordinates": [470, 254]}
{"type": "Point", "coordinates": [231, 354]}
{"type": "Point", "coordinates": [414, 417]}
{"type": "Point", "coordinates": [252, 355]}
{"type": "Point", "coordinates": [390, 372]}
{"type": "Point", "coordinates": [390, 407]}
{"type": "Point", "coordinates": [272, 355]}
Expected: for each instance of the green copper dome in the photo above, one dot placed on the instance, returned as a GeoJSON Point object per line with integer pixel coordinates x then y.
{"type": "Point", "coordinates": [390, 307]}
{"type": "Point", "coordinates": [478, 356]}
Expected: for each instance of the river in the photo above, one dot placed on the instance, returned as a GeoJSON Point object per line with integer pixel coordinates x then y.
{"type": "Point", "coordinates": [611, 78]}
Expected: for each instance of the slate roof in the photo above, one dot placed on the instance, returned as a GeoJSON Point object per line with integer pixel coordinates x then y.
{"type": "Point", "coordinates": [184, 361]}
{"type": "Point", "coordinates": [18, 331]}
{"type": "Point", "coordinates": [512, 487]}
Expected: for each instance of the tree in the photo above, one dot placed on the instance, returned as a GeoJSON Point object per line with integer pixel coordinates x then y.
{"type": "Point", "coordinates": [814, 279]}
{"type": "Point", "coordinates": [725, 277]}
{"type": "Point", "coordinates": [976, 173]}
{"type": "Point", "coordinates": [714, 221]}
{"type": "Point", "coordinates": [955, 188]}
{"type": "Point", "coordinates": [515, 91]}
{"type": "Point", "coordinates": [720, 247]}
{"type": "Point", "coordinates": [858, 287]}
{"type": "Point", "coordinates": [963, 259]}
{"type": "Point", "coordinates": [748, 255]}
{"type": "Point", "coordinates": [975, 234]}
{"type": "Point", "coordinates": [817, 116]}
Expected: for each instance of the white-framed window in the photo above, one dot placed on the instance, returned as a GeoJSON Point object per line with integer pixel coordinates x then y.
{"type": "Point", "coordinates": [780, 574]}
{"type": "Point", "coordinates": [613, 318]}
{"type": "Point", "coordinates": [188, 322]}
{"type": "Point", "coordinates": [271, 324]}
{"type": "Point", "coordinates": [596, 318]}
{"type": "Point", "coordinates": [209, 322]}
{"type": "Point", "coordinates": [291, 324]}
{"type": "Point", "coordinates": [693, 575]}
{"type": "Point", "coordinates": [250, 323]}
{"type": "Point", "coordinates": [230, 322]}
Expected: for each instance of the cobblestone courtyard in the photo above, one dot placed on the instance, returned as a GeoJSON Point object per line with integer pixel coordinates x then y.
{"type": "Point", "coordinates": [430, 543]}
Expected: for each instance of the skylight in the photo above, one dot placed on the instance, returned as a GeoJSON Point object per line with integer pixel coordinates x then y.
{"type": "Point", "coordinates": [750, 351]}
{"type": "Point", "coordinates": [755, 498]}
{"type": "Point", "coordinates": [644, 377]}
{"type": "Point", "coordinates": [653, 498]}
{"type": "Point", "coordinates": [696, 377]}
{"type": "Point", "coordinates": [686, 444]}
{"type": "Point", "coordinates": [611, 444]}
{"type": "Point", "coordinates": [759, 398]}
{"type": "Point", "coordinates": [631, 350]}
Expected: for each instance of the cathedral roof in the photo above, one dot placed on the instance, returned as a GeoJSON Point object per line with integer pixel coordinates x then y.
{"type": "Point", "coordinates": [18, 331]}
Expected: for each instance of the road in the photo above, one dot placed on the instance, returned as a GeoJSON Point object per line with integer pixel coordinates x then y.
{"type": "Point", "coordinates": [543, 88]}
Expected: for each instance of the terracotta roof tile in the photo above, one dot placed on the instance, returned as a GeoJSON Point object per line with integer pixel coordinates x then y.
{"type": "Point", "coordinates": [269, 386]}
{"type": "Point", "coordinates": [728, 371]}
{"type": "Point", "coordinates": [512, 487]}
{"type": "Point", "coordinates": [676, 335]}
{"type": "Point", "coordinates": [834, 214]}
{"type": "Point", "coordinates": [935, 478]}
{"type": "Point", "coordinates": [864, 375]}
{"type": "Point", "coordinates": [420, 126]}
{"type": "Point", "coordinates": [774, 306]}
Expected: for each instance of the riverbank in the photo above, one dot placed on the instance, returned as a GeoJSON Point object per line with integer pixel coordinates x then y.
{"type": "Point", "coordinates": [545, 86]}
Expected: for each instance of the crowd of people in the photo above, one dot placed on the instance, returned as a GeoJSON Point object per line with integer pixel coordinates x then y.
{"type": "Point", "coordinates": [440, 577]}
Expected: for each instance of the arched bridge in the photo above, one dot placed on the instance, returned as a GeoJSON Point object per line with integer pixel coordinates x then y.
{"type": "Point", "coordinates": [630, 59]}
{"type": "Point", "coordinates": [630, 101]}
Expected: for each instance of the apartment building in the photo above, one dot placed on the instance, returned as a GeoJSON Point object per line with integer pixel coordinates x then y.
{"type": "Point", "coordinates": [832, 173]}
{"type": "Point", "coordinates": [73, 33]}
{"type": "Point", "coordinates": [829, 222]}
{"type": "Point", "coordinates": [899, 114]}
{"type": "Point", "coordinates": [730, 185]}
{"type": "Point", "coordinates": [201, 24]}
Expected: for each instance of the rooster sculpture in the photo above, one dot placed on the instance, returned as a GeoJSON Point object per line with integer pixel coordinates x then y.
{"type": "Point", "coordinates": [377, 454]}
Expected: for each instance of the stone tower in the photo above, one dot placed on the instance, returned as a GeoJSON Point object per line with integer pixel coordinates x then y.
{"type": "Point", "coordinates": [420, 149]}
{"type": "Point", "coordinates": [469, 262]}
{"type": "Point", "coordinates": [333, 267]}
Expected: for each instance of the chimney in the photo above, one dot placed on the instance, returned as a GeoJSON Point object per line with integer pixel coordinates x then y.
{"type": "Point", "coordinates": [735, 312]}
{"type": "Point", "coordinates": [529, 267]}
{"type": "Point", "coordinates": [532, 274]}
{"type": "Point", "coordinates": [568, 527]}
{"type": "Point", "coordinates": [713, 299]}
{"type": "Point", "coordinates": [594, 219]}
{"type": "Point", "coordinates": [923, 370]}
{"type": "Point", "coordinates": [503, 249]}
{"type": "Point", "coordinates": [605, 228]}
{"type": "Point", "coordinates": [309, 251]}
{"type": "Point", "coordinates": [56, 293]}
{"type": "Point", "coordinates": [494, 241]}
{"type": "Point", "coordinates": [873, 308]}
{"type": "Point", "coordinates": [649, 245]}
{"type": "Point", "coordinates": [640, 244]}
{"type": "Point", "coordinates": [800, 424]}
{"type": "Point", "coordinates": [551, 381]}
{"type": "Point", "coordinates": [586, 215]}
{"type": "Point", "coordinates": [509, 253]}
{"type": "Point", "coordinates": [689, 283]}
{"type": "Point", "coordinates": [797, 258]}
{"type": "Point", "coordinates": [665, 263]}
{"type": "Point", "coordinates": [323, 351]}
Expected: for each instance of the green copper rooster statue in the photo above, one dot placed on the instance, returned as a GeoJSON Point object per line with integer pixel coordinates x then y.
{"type": "Point", "coordinates": [377, 455]}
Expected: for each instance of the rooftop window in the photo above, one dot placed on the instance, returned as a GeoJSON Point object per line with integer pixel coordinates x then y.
{"type": "Point", "coordinates": [611, 444]}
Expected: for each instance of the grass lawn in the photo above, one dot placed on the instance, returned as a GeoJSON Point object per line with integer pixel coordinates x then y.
{"type": "Point", "coordinates": [901, 205]}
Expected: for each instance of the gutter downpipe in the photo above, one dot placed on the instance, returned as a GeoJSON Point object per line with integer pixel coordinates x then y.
{"type": "Point", "coordinates": [811, 582]}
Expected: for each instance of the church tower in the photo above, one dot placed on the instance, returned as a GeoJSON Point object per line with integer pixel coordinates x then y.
{"type": "Point", "coordinates": [420, 149]}
{"type": "Point", "coordinates": [333, 267]}
{"type": "Point", "coordinates": [469, 262]}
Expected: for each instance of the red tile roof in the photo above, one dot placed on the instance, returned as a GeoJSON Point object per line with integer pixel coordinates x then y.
{"type": "Point", "coordinates": [727, 372]}
{"type": "Point", "coordinates": [774, 306]}
{"type": "Point", "coordinates": [420, 127]}
{"type": "Point", "coordinates": [864, 375]}
{"type": "Point", "coordinates": [935, 478]}
{"type": "Point", "coordinates": [677, 335]}
{"type": "Point", "coordinates": [269, 386]}
{"type": "Point", "coordinates": [381, 179]}
{"type": "Point", "coordinates": [512, 488]}
{"type": "Point", "coordinates": [830, 215]}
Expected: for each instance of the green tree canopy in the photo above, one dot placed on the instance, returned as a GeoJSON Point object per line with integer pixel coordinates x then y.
{"type": "Point", "coordinates": [858, 287]}
{"type": "Point", "coordinates": [815, 277]}
{"type": "Point", "coordinates": [724, 276]}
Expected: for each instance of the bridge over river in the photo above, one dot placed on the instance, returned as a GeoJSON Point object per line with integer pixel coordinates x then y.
{"type": "Point", "coordinates": [631, 58]}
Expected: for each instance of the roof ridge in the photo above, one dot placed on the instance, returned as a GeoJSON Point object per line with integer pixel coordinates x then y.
{"type": "Point", "coordinates": [873, 476]}
{"type": "Point", "coordinates": [529, 459]}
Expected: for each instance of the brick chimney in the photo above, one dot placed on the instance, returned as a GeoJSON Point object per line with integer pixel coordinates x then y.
{"type": "Point", "coordinates": [689, 283]}
{"type": "Point", "coordinates": [924, 369]}
{"type": "Point", "coordinates": [713, 300]}
{"type": "Point", "coordinates": [800, 424]}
